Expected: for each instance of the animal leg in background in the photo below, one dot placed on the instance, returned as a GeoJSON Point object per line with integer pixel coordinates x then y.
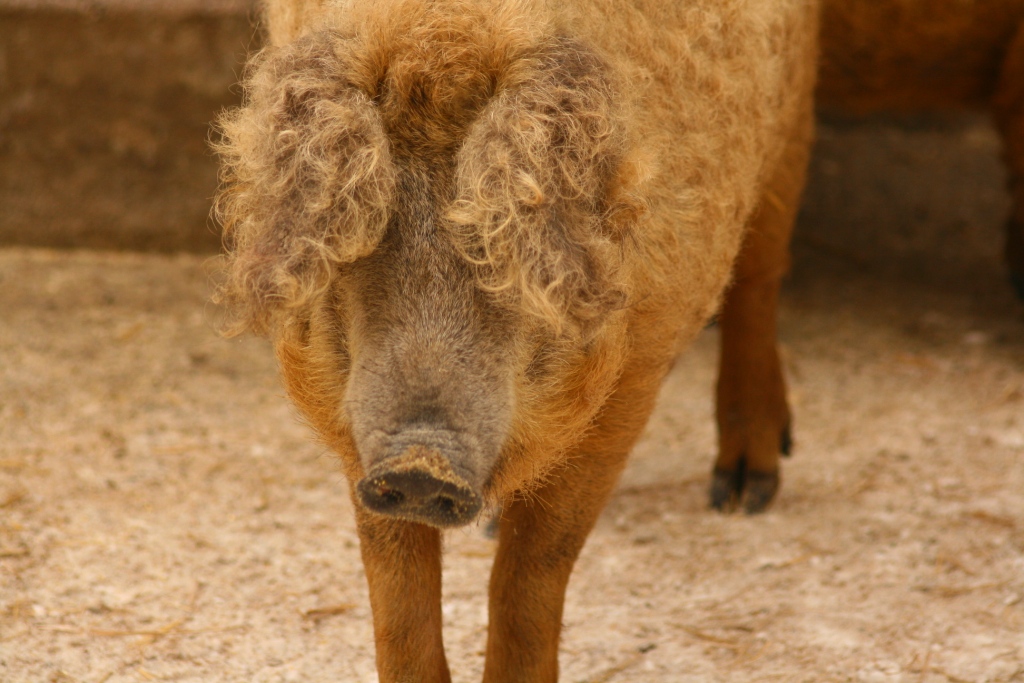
{"type": "Point", "coordinates": [753, 414]}
{"type": "Point", "coordinates": [1008, 110]}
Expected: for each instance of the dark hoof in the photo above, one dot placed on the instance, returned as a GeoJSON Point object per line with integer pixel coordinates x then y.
{"type": "Point", "coordinates": [754, 490]}
{"type": "Point", "coordinates": [760, 491]}
{"type": "Point", "coordinates": [786, 442]}
{"type": "Point", "coordinates": [420, 486]}
{"type": "Point", "coordinates": [725, 487]}
{"type": "Point", "coordinates": [493, 525]}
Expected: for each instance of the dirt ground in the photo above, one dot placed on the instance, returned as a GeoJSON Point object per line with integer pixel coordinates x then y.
{"type": "Point", "coordinates": [164, 516]}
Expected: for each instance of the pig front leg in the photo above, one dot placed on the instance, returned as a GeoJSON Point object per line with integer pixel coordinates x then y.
{"type": "Point", "coordinates": [403, 568]}
{"type": "Point", "coordinates": [539, 541]}
{"type": "Point", "coordinates": [541, 533]}
{"type": "Point", "coordinates": [752, 412]}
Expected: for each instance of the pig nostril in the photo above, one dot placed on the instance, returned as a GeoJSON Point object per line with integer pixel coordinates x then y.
{"type": "Point", "coordinates": [391, 497]}
{"type": "Point", "coordinates": [446, 505]}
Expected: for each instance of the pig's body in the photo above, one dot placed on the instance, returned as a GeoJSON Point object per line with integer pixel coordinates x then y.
{"type": "Point", "coordinates": [477, 233]}
{"type": "Point", "coordinates": [919, 55]}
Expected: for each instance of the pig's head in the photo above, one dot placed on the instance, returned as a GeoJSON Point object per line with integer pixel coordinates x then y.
{"type": "Point", "coordinates": [436, 207]}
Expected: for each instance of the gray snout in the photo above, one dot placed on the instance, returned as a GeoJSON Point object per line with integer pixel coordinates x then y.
{"type": "Point", "coordinates": [420, 485]}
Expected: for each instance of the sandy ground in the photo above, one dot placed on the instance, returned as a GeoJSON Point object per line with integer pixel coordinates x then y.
{"type": "Point", "coordinates": [164, 516]}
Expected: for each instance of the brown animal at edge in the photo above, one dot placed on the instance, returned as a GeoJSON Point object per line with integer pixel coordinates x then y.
{"type": "Point", "coordinates": [476, 233]}
{"type": "Point", "coordinates": [876, 56]}
{"type": "Point", "coordinates": [920, 55]}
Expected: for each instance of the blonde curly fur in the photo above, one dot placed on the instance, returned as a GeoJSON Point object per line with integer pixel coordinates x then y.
{"type": "Point", "coordinates": [544, 197]}
{"type": "Point", "coordinates": [307, 182]}
{"type": "Point", "coordinates": [595, 164]}
{"type": "Point", "coordinates": [535, 191]}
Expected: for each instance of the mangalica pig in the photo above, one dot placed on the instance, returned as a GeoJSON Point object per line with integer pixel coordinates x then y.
{"type": "Point", "coordinates": [477, 231]}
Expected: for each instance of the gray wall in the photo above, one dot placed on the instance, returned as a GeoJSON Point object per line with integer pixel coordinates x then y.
{"type": "Point", "coordinates": [104, 120]}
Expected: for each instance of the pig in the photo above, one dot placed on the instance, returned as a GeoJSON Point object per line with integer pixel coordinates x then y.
{"type": "Point", "coordinates": [477, 232]}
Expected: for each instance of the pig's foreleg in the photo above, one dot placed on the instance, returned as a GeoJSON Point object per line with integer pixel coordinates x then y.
{"type": "Point", "coordinates": [539, 542]}
{"type": "Point", "coordinates": [752, 411]}
{"type": "Point", "coordinates": [541, 533]}
{"type": "Point", "coordinates": [403, 568]}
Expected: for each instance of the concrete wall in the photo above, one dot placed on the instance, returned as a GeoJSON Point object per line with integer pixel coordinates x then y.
{"type": "Point", "coordinates": [918, 197]}
{"type": "Point", "coordinates": [105, 111]}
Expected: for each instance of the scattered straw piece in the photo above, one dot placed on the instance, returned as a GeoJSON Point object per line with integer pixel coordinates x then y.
{"type": "Point", "coordinates": [612, 671]}
{"type": "Point", "coordinates": [128, 332]}
{"type": "Point", "coordinates": [748, 658]}
{"type": "Point", "coordinates": [957, 591]}
{"type": "Point", "coordinates": [120, 633]}
{"type": "Point", "coordinates": [784, 564]}
{"type": "Point", "coordinates": [318, 613]}
{"type": "Point", "coordinates": [950, 677]}
{"type": "Point", "coordinates": [704, 635]}
{"type": "Point", "coordinates": [997, 520]}
{"type": "Point", "coordinates": [13, 498]}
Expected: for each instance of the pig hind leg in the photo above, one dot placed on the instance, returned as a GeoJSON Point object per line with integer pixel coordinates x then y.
{"type": "Point", "coordinates": [752, 412]}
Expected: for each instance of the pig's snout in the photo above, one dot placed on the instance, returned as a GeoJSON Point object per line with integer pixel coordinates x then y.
{"type": "Point", "coordinates": [420, 485]}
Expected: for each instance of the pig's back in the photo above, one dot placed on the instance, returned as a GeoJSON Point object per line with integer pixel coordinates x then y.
{"type": "Point", "coordinates": [716, 88]}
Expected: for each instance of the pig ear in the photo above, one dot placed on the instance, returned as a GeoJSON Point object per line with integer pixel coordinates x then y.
{"type": "Point", "coordinates": [540, 193]}
{"type": "Point", "coordinates": [306, 182]}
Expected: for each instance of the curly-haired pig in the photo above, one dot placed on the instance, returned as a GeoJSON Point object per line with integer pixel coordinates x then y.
{"type": "Point", "coordinates": [477, 232]}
